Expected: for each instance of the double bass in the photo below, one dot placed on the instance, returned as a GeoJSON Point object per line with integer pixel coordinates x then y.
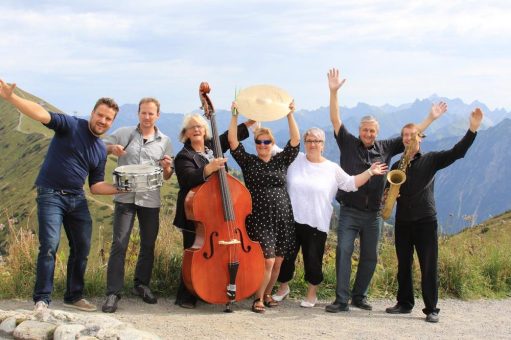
{"type": "Point", "coordinates": [223, 265]}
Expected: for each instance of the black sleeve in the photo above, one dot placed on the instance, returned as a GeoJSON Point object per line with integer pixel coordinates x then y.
{"type": "Point", "coordinates": [288, 155]}
{"type": "Point", "coordinates": [242, 135]}
{"type": "Point", "coordinates": [187, 172]}
{"type": "Point", "coordinates": [445, 158]}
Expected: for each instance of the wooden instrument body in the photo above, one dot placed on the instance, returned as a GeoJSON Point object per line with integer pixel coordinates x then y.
{"type": "Point", "coordinates": [209, 277]}
{"type": "Point", "coordinates": [223, 265]}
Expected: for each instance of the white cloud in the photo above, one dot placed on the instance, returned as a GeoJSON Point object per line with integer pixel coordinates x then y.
{"type": "Point", "coordinates": [392, 51]}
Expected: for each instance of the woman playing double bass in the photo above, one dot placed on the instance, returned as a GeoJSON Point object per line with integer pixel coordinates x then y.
{"type": "Point", "coordinates": [193, 166]}
{"type": "Point", "coordinates": [271, 222]}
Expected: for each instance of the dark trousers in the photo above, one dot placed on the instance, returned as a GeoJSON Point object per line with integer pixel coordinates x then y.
{"type": "Point", "coordinates": [183, 295]}
{"type": "Point", "coordinates": [312, 241]}
{"type": "Point", "coordinates": [423, 236]}
{"type": "Point", "coordinates": [149, 224]}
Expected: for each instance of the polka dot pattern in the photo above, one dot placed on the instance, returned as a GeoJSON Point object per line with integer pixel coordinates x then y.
{"type": "Point", "coordinates": [271, 222]}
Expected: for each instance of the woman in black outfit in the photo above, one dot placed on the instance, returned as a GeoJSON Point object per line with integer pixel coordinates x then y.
{"type": "Point", "coordinates": [193, 165]}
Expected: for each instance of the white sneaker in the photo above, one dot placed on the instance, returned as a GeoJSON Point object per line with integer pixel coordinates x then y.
{"type": "Point", "coordinates": [308, 304]}
{"type": "Point", "coordinates": [40, 307]}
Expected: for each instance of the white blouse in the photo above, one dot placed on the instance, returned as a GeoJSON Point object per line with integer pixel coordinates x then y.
{"type": "Point", "coordinates": [312, 188]}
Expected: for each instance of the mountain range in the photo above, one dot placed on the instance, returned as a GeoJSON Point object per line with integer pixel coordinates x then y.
{"type": "Point", "coordinates": [469, 191]}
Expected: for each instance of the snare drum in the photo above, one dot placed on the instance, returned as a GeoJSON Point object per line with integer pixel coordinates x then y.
{"type": "Point", "coordinates": [138, 178]}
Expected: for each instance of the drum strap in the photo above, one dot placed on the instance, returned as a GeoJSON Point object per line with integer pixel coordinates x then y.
{"type": "Point", "coordinates": [132, 135]}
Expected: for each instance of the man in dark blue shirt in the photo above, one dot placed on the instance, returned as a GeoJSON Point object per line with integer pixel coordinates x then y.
{"type": "Point", "coordinates": [360, 211]}
{"type": "Point", "coordinates": [416, 222]}
{"type": "Point", "coordinates": [75, 152]}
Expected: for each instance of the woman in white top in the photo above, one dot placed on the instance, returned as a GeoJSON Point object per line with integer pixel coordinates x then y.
{"type": "Point", "coordinates": [312, 182]}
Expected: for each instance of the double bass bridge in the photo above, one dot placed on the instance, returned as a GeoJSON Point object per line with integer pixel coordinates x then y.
{"type": "Point", "coordinates": [229, 243]}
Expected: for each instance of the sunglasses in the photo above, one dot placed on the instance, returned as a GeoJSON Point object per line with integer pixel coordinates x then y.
{"type": "Point", "coordinates": [264, 141]}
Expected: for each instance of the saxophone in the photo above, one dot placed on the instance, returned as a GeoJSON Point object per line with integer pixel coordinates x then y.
{"type": "Point", "coordinates": [397, 177]}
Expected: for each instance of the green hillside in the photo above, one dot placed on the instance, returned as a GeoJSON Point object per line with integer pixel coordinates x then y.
{"type": "Point", "coordinates": [23, 144]}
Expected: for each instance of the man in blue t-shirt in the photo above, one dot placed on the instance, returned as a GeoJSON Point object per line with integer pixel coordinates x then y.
{"type": "Point", "coordinates": [75, 152]}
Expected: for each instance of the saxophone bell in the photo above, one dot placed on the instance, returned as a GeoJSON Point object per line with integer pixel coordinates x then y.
{"type": "Point", "coordinates": [395, 179]}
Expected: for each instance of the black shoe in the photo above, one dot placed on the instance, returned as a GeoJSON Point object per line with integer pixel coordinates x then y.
{"type": "Point", "coordinates": [362, 304]}
{"type": "Point", "coordinates": [398, 309]}
{"type": "Point", "coordinates": [337, 307]}
{"type": "Point", "coordinates": [145, 293]}
{"type": "Point", "coordinates": [110, 305]}
{"type": "Point", "coordinates": [188, 303]}
{"type": "Point", "coordinates": [432, 317]}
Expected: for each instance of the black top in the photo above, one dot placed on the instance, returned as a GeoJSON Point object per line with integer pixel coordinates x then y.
{"type": "Point", "coordinates": [356, 158]}
{"type": "Point", "coordinates": [271, 222]}
{"type": "Point", "coordinates": [416, 201]}
{"type": "Point", "coordinates": [189, 166]}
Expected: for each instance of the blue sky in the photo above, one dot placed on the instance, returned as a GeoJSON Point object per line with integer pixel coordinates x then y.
{"type": "Point", "coordinates": [73, 52]}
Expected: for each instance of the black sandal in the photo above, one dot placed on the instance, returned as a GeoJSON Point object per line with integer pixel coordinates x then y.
{"type": "Point", "coordinates": [257, 308]}
{"type": "Point", "coordinates": [269, 301]}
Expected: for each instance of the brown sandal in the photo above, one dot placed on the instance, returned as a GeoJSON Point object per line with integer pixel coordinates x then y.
{"type": "Point", "coordinates": [269, 301]}
{"type": "Point", "coordinates": [257, 308]}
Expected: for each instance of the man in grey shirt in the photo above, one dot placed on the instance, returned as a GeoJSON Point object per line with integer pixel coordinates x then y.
{"type": "Point", "coordinates": [142, 144]}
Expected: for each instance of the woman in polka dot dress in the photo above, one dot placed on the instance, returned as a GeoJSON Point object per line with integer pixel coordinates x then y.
{"type": "Point", "coordinates": [271, 222]}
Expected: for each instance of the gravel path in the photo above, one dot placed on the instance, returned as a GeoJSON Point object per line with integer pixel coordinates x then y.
{"type": "Point", "coordinates": [479, 319]}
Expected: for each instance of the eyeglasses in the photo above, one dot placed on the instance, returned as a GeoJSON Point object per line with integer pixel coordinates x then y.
{"type": "Point", "coordinates": [264, 141]}
{"type": "Point", "coordinates": [314, 141]}
{"type": "Point", "coordinates": [193, 127]}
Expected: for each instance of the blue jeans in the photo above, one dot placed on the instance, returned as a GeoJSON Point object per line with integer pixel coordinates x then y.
{"type": "Point", "coordinates": [56, 208]}
{"type": "Point", "coordinates": [353, 223]}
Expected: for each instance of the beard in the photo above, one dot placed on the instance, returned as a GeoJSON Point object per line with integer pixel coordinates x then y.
{"type": "Point", "coordinates": [97, 130]}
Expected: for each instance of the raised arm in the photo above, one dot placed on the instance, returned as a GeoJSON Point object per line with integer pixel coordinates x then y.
{"type": "Point", "coordinates": [334, 84]}
{"type": "Point", "coordinates": [294, 133]}
{"type": "Point", "coordinates": [436, 111]}
{"type": "Point", "coordinates": [232, 136]}
{"type": "Point", "coordinates": [27, 107]}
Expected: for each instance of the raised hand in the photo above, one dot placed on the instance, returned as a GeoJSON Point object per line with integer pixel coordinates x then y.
{"type": "Point", "coordinates": [6, 89]}
{"type": "Point", "coordinates": [334, 80]}
{"type": "Point", "coordinates": [475, 119]}
{"type": "Point", "coordinates": [437, 110]}
{"type": "Point", "coordinates": [234, 108]}
{"type": "Point", "coordinates": [292, 107]}
{"type": "Point", "coordinates": [378, 168]}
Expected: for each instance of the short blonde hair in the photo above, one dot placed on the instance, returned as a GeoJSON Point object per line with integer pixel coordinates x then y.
{"type": "Point", "coordinates": [264, 131]}
{"type": "Point", "coordinates": [186, 121]}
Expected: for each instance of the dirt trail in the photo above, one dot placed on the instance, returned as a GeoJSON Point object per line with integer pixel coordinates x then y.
{"type": "Point", "coordinates": [458, 319]}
